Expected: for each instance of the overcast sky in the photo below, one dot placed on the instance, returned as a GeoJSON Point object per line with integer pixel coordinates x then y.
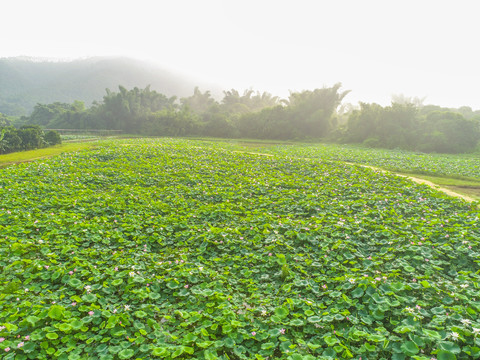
{"type": "Point", "coordinates": [375, 48]}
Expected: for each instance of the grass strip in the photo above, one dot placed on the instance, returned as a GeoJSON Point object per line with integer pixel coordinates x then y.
{"type": "Point", "coordinates": [31, 155]}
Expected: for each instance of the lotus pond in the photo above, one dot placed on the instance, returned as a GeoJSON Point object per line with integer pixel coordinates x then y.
{"type": "Point", "coordinates": [176, 249]}
{"type": "Point", "coordinates": [448, 165]}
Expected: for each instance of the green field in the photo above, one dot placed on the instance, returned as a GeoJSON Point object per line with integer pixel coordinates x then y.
{"type": "Point", "coordinates": [462, 166]}
{"type": "Point", "coordinates": [190, 249]}
{"type": "Point", "coordinates": [459, 173]}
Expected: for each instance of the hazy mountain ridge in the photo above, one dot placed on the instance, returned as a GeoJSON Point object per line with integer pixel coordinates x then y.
{"type": "Point", "coordinates": [25, 82]}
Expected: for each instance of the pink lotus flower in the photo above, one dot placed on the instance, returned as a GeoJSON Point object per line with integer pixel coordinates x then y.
{"type": "Point", "coordinates": [27, 337]}
{"type": "Point", "coordinates": [7, 349]}
{"type": "Point", "coordinates": [282, 331]}
{"type": "Point", "coordinates": [70, 272]}
{"type": "Point", "coordinates": [90, 313]}
{"type": "Point", "coordinates": [74, 303]}
{"type": "Point", "coordinates": [254, 333]}
{"type": "Point", "coordinates": [2, 339]}
{"type": "Point", "coordinates": [20, 344]}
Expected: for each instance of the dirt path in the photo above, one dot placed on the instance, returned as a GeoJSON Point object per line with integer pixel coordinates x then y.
{"type": "Point", "coordinates": [419, 181]}
{"type": "Point", "coordinates": [439, 188]}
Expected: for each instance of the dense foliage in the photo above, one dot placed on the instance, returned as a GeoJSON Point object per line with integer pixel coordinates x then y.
{"type": "Point", "coordinates": [317, 114]}
{"type": "Point", "coordinates": [28, 137]}
{"type": "Point", "coordinates": [196, 251]}
{"type": "Point", "coordinates": [402, 126]}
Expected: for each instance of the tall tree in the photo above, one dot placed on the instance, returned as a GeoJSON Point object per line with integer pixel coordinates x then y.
{"type": "Point", "coordinates": [199, 102]}
{"type": "Point", "coordinates": [313, 110]}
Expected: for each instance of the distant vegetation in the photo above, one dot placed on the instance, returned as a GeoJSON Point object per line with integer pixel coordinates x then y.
{"type": "Point", "coordinates": [28, 137]}
{"type": "Point", "coordinates": [306, 115]}
{"type": "Point", "coordinates": [404, 126]}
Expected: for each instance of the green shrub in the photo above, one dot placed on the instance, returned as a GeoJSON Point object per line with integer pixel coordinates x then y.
{"type": "Point", "coordinates": [53, 138]}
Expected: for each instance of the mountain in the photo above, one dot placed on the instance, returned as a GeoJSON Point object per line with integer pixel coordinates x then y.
{"type": "Point", "coordinates": [24, 82]}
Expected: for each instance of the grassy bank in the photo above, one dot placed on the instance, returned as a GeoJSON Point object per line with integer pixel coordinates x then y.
{"type": "Point", "coordinates": [25, 156]}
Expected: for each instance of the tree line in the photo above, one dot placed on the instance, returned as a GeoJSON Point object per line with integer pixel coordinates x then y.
{"type": "Point", "coordinates": [27, 137]}
{"type": "Point", "coordinates": [306, 115]}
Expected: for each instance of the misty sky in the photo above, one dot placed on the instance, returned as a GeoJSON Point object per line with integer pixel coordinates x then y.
{"type": "Point", "coordinates": [376, 48]}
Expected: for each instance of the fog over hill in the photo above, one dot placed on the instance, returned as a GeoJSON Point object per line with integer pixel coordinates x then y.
{"type": "Point", "coordinates": [25, 82]}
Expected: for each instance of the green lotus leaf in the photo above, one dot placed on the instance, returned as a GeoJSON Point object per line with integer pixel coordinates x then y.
{"type": "Point", "coordinates": [56, 312]}
{"type": "Point", "coordinates": [229, 342]}
{"type": "Point", "coordinates": [445, 355]}
{"type": "Point", "coordinates": [117, 282]}
{"type": "Point", "coordinates": [76, 324]}
{"type": "Point", "coordinates": [296, 356]}
{"type": "Point", "coordinates": [114, 349]}
{"type": "Point", "coordinates": [449, 346]}
{"type": "Point", "coordinates": [154, 296]}
{"type": "Point", "coordinates": [432, 334]}
{"type": "Point", "coordinates": [65, 327]}
{"type": "Point", "coordinates": [268, 345]}
{"type": "Point", "coordinates": [358, 292]}
{"type": "Point", "coordinates": [160, 352]}
{"type": "Point", "coordinates": [173, 284]}
{"type": "Point", "coordinates": [52, 336]}
{"type": "Point", "coordinates": [126, 354]}
{"type": "Point", "coordinates": [314, 319]}
{"type": "Point", "coordinates": [438, 310]}
{"type": "Point", "coordinates": [409, 348]}
{"type": "Point", "coordinates": [331, 340]}
{"type": "Point", "coordinates": [296, 322]}
{"type": "Point", "coordinates": [140, 314]}
{"type": "Point", "coordinates": [75, 283]}
{"type": "Point", "coordinates": [281, 260]}
{"type": "Point", "coordinates": [281, 312]}
{"type": "Point", "coordinates": [89, 298]}
{"type": "Point", "coordinates": [32, 320]}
